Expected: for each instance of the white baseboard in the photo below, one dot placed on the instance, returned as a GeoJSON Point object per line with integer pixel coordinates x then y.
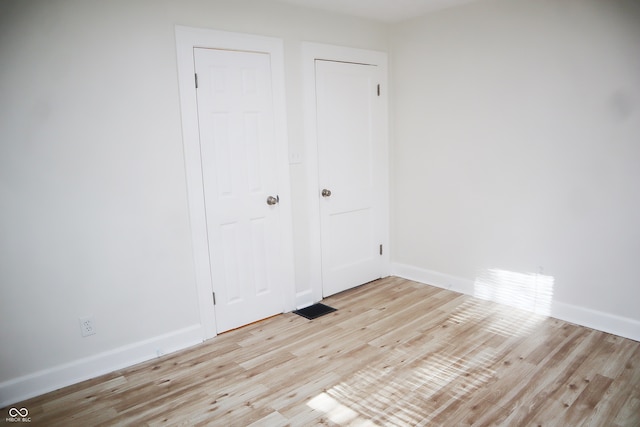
{"type": "Point", "coordinates": [433, 278]}
{"type": "Point", "coordinates": [47, 380]}
{"type": "Point", "coordinates": [606, 322]}
{"type": "Point", "coordinates": [602, 321]}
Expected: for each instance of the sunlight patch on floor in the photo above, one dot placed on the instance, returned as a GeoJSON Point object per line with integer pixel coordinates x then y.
{"type": "Point", "coordinates": [513, 324]}
{"type": "Point", "coordinates": [500, 320]}
{"type": "Point", "coordinates": [334, 410]}
{"type": "Point", "coordinates": [377, 395]}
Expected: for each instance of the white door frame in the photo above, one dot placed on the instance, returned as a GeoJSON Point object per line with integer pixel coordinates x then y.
{"type": "Point", "coordinates": [188, 38]}
{"type": "Point", "coordinates": [311, 52]}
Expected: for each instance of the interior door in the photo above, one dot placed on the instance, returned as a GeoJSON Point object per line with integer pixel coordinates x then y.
{"type": "Point", "coordinates": [351, 173]}
{"type": "Point", "coordinates": [238, 152]}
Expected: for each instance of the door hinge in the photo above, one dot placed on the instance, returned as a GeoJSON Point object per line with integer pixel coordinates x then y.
{"type": "Point", "coordinates": [214, 298]}
{"type": "Point", "coordinates": [380, 249]}
{"type": "Point", "coordinates": [196, 77]}
{"type": "Point", "coordinates": [378, 89]}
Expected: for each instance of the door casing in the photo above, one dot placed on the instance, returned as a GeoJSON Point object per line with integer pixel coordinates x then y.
{"type": "Point", "coordinates": [188, 38]}
{"type": "Point", "coordinates": [312, 292]}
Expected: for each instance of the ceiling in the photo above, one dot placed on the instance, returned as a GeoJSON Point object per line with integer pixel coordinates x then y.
{"type": "Point", "coordinates": [389, 11]}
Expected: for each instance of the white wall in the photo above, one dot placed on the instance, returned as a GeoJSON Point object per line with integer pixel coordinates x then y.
{"type": "Point", "coordinates": [93, 199]}
{"type": "Point", "coordinates": [518, 149]}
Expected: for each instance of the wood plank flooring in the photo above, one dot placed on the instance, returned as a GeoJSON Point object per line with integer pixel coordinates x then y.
{"type": "Point", "coordinates": [396, 353]}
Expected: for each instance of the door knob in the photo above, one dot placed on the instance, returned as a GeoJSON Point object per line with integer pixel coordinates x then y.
{"type": "Point", "coordinates": [326, 193]}
{"type": "Point", "coordinates": [273, 200]}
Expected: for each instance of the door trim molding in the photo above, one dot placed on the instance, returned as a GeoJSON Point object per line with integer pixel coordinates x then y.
{"type": "Point", "coordinates": [188, 38]}
{"type": "Point", "coordinates": [310, 53]}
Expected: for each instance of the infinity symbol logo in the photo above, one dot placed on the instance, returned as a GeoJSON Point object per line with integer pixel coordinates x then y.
{"type": "Point", "coordinates": [23, 412]}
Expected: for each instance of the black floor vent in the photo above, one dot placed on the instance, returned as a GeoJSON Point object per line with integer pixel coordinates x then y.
{"type": "Point", "coordinates": [314, 311]}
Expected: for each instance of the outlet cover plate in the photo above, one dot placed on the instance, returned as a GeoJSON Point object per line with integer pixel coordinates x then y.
{"type": "Point", "coordinates": [87, 326]}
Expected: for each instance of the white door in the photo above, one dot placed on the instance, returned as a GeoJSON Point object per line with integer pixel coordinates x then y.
{"type": "Point", "coordinates": [352, 174]}
{"type": "Point", "coordinates": [238, 151]}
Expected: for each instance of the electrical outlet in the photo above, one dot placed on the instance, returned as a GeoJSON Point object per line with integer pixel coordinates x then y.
{"type": "Point", "coordinates": [87, 326]}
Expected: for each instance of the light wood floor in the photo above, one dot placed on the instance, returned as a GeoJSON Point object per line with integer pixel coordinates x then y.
{"type": "Point", "coordinates": [395, 353]}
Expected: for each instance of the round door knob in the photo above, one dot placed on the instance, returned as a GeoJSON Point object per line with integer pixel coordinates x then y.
{"type": "Point", "coordinates": [273, 200]}
{"type": "Point", "coordinates": [326, 193]}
